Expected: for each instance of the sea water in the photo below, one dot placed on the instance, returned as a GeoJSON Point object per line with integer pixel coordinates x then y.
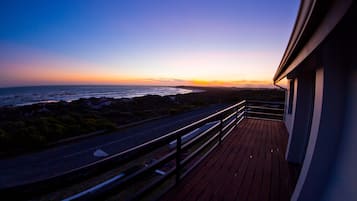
{"type": "Point", "coordinates": [18, 96]}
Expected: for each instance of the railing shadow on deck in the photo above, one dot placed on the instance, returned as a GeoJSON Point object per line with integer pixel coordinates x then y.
{"type": "Point", "coordinates": [184, 149]}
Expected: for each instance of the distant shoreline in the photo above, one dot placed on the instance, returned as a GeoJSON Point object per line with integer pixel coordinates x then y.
{"type": "Point", "coordinates": [30, 95]}
{"type": "Point", "coordinates": [32, 127]}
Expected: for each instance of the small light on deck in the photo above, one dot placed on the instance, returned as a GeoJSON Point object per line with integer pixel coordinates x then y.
{"type": "Point", "coordinates": [251, 156]}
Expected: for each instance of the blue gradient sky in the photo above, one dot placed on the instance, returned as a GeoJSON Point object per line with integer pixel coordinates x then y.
{"type": "Point", "coordinates": [143, 42]}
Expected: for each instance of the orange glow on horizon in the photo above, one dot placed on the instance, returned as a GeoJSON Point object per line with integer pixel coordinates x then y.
{"type": "Point", "coordinates": [238, 83]}
{"type": "Point", "coordinates": [194, 69]}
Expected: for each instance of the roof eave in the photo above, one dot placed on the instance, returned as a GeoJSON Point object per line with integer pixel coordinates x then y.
{"type": "Point", "coordinates": [315, 20]}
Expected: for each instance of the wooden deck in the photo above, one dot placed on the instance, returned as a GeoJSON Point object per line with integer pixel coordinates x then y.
{"type": "Point", "coordinates": [249, 165]}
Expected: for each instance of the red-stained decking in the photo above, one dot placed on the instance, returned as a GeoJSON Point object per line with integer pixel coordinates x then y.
{"type": "Point", "coordinates": [249, 165]}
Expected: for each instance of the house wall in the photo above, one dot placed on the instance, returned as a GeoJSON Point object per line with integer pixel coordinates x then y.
{"type": "Point", "coordinates": [300, 127]}
{"type": "Point", "coordinates": [325, 134]}
{"type": "Point", "coordinates": [342, 184]}
{"type": "Point", "coordinates": [330, 163]}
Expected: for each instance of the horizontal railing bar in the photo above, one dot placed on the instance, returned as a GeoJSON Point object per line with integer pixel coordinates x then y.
{"type": "Point", "coordinates": [241, 109]}
{"type": "Point", "coordinates": [228, 132]}
{"type": "Point", "coordinates": [231, 107]}
{"type": "Point", "coordinates": [229, 116]}
{"type": "Point", "coordinates": [265, 108]}
{"type": "Point", "coordinates": [264, 113]}
{"type": "Point", "coordinates": [199, 160]}
{"type": "Point", "coordinates": [131, 178]}
{"type": "Point", "coordinates": [89, 192]}
{"type": "Point", "coordinates": [228, 125]}
{"type": "Point", "coordinates": [198, 150]}
{"type": "Point", "coordinates": [266, 102]}
{"type": "Point", "coordinates": [262, 118]}
{"type": "Point", "coordinates": [195, 139]}
{"type": "Point", "coordinates": [240, 119]}
{"type": "Point", "coordinates": [240, 115]}
{"type": "Point", "coordinates": [199, 123]}
{"type": "Point", "coordinates": [153, 184]}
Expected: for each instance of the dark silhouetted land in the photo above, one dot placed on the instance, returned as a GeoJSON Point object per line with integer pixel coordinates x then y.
{"type": "Point", "coordinates": [34, 127]}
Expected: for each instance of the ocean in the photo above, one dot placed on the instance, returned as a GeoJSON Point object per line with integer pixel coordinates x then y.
{"type": "Point", "coordinates": [19, 96]}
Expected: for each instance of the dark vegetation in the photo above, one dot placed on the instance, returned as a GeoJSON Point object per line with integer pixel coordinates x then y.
{"type": "Point", "coordinates": [35, 126]}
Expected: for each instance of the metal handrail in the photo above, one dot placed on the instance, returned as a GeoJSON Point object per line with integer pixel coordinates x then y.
{"type": "Point", "coordinates": [89, 170]}
{"type": "Point", "coordinates": [266, 108]}
{"type": "Point", "coordinates": [226, 119]}
{"type": "Point", "coordinates": [265, 102]}
{"type": "Point", "coordinates": [260, 110]}
{"type": "Point", "coordinates": [265, 113]}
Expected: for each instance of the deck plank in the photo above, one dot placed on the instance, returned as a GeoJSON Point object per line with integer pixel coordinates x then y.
{"type": "Point", "coordinates": [248, 165]}
{"type": "Point", "coordinates": [241, 152]}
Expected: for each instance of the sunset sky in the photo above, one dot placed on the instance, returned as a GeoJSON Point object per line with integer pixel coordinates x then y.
{"type": "Point", "coordinates": [149, 42]}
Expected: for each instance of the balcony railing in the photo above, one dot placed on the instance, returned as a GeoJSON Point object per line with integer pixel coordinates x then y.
{"type": "Point", "coordinates": [265, 110]}
{"type": "Point", "coordinates": [184, 149]}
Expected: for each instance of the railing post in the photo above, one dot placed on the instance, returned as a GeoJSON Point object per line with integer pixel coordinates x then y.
{"type": "Point", "coordinates": [245, 109]}
{"type": "Point", "coordinates": [178, 158]}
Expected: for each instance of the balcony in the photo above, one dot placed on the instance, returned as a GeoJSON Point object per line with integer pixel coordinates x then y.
{"type": "Point", "coordinates": [250, 165]}
{"type": "Point", "coordinates": [234, 154]}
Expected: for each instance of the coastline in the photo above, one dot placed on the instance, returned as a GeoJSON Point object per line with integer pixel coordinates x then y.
{"type": "Point", "coordinates": [29, 95]}
{"type": "Point", "coordinates": [33, 127]}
